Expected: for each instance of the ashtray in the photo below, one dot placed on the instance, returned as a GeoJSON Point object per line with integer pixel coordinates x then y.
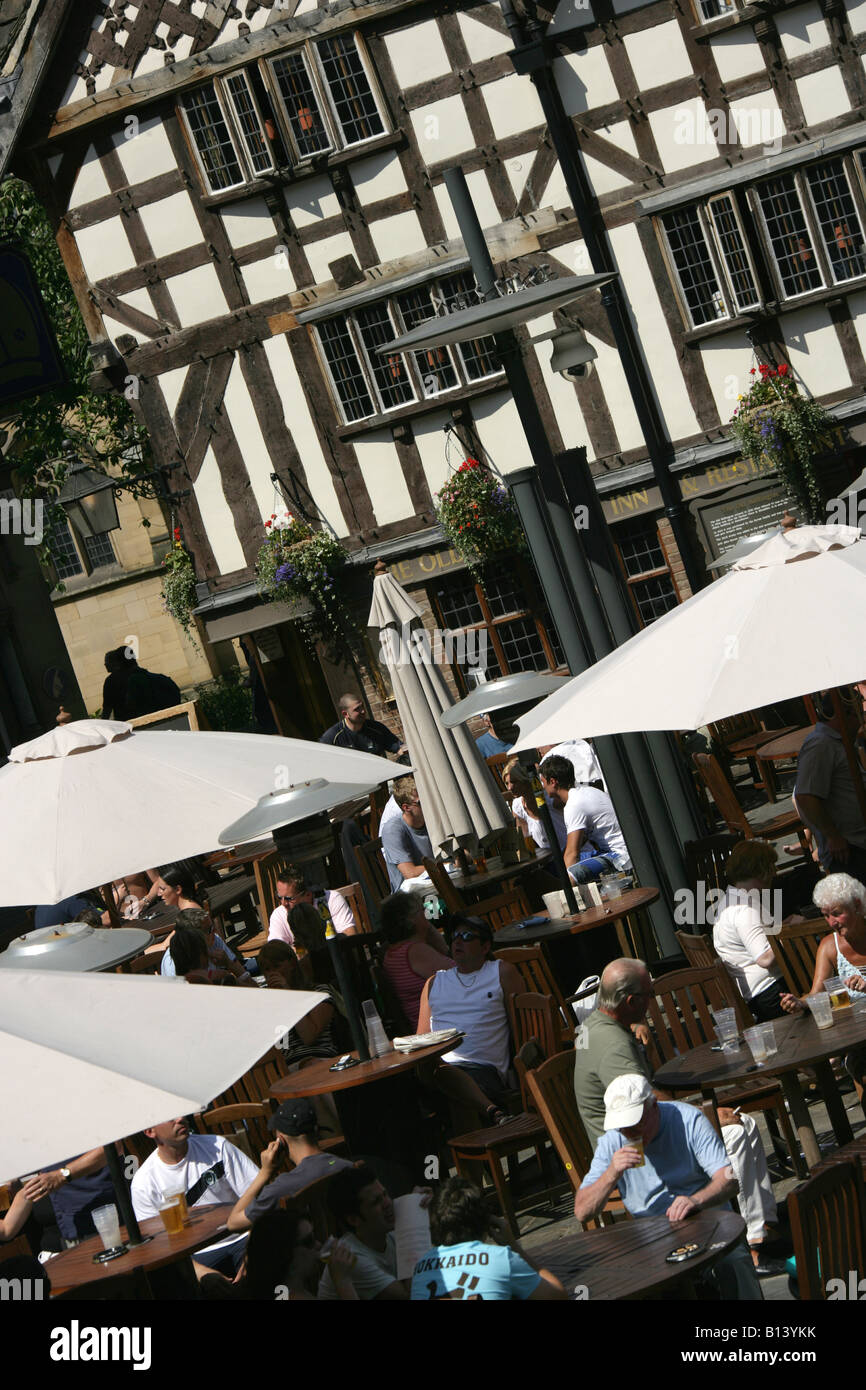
{"type": "Point", "coordinates": [344, 1064]}
{"type": "Point", "coordinates": [113, 1254]}
{"type": "Point", "coordinates": [682, 1252]}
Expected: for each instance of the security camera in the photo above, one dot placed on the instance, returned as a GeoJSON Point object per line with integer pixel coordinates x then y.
{"type": "Point", "coordinates": [572, 356]}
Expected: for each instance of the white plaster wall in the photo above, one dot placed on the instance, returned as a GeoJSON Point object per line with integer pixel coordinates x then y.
{"type": "Point", "coordinates": [758, 120]}
{"type": "Point", "coordinates": [238, 405]}
{"type": "Point", "coordinates": [584, 80]}
{"type": "Point", "coordinates": [397, 236]}
{"type": "Point", "coordinates": [513, 105]}
{"type": "Point", "coordinates": [247, 222]}
{"type": "Point", "coordinates": [482, 41]}
{"type": "Point", "coordinates": [380, 468]}
{"type": "Point", "coordinates": [430, 437]}
{"type": "Point", "coordinates": [603, 178]}
{"type": "Point", "coordinates": [417, 53]}
{"type": "Point", "coordinates": [737, 54]}
{"type": "Point", "coordinates": [217, 518]}
{"type": "Point", "coordinates": [147, 154]}
{"type": "Point", "coordinates": [856, 15]}
{"type": "Point", "coordinates": [813, 350]}
{"type": "Point", "coordinates": [171, 385]}
{"type": "Point", "coordinates": [90, 181]}
{"type": "Point", "coordinates": [498, 426]}
{"type": "Point", "coordinates": [562, 393]}
{"type": "Point", "coordinates": [268, 279]}
{"type": "Point", "coordinates": [823, 96]}
{"type": "Point", "coordinates": [197, 295]}
{"type": "Point", "coordinates": [482, 197]}
{"type": "Point", "coordinates": [380, 176]}
{"type": "Point", "coordinates": [114, 328]}
{"type": "Point", "coordinates": [296, 413]}
{"type": "Point", "coordinates": [683, 135]}
{"type": "Point", "coordinates": [171, 224]}
{"type": "Point", "coordinates": [727, 360]}
{"type": "Point", "coordinates": [555, 194]}
{"type": "Point", "coordinates": [442, 129]}
{"type": "Point", "coordinates": [665, 371]}
{"type": "Point", "coordinates": [802, 30]}
{"type": "Point", "coordinates": [311, 201]}
{"type": "Point", "coordinates": [104, 249]}
{"type": "Point", "coordinates": [658, 55]}
{"type": "Point", "coordinates": [139, 299]}
{"type": "Point", "coordinates": [320, 254]}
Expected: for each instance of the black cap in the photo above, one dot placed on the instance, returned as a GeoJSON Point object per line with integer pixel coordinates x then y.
{"type": "Point", "coordinates": [294, 1117]}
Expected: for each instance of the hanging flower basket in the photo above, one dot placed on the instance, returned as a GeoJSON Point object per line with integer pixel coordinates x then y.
{"type": "Point", "coordinates": [298, 563]}
{"type": "Point", "coordinates": [178, 585]}
{"type": "Point", "coordinates": [477, 513]}
{"type": "Point", "coordinates": [775, 422]}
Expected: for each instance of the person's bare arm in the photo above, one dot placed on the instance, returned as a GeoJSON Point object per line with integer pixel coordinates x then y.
{"type": "Point", "coordinates": [395, 1293]}
{"type": "Point", "coordinates": [80, 1167]}
{"type": "Point", "coordinates": [825, 965]}
{"type": "Point", "coordinates": [11, 1223]}
{"type": "Point", "coordinates": [437, 941]}
{"type": "Point", "coordinates": [721, 1188]}
{"type": "Point", "coordinates": [571, 853]}
{"type": "Point", "coordinates": [588, 1201]}
{"type": "Point", "coordinates": [424, 1010]}
{"type": "Point", "coordinates": [425, 961]}
{"type": "Point", "coordinates": [312, 1024]}
{"type": "Point", "coordinates": [510, 979]}
{"type": "Point", "coordinates": [238, 1219]}
{"type": "Point", "coordinates": [410, 870]}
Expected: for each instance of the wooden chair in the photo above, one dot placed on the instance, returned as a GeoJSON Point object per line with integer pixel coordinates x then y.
{"type": "Point", "coordinates": [741, 736]}
{"type": "Point", "coordinates": [441, 880]}
{"type": "Point", "coordinates": [246, 1125]}
{"type": "Point", "coordinates": [535, 1016]}
{"type": "Point", "coordinates": [706, 859]}
{"type": "Point", "coordinates": [539, 979]}
{"type": "Point", "coordinates": [732, 812]}
{"type": "Point", "coordinates": [149, 963]}
{"type": "Point", "coordinates": [551, 1086]}
{"type": "Point", "coordinates": [828, 1225]}
{"type": "Point", "coordinates": [506, 906]}
{"type": "Point", "coordinates": [373, 869]}
{"type": "Point", "coordinates": [266, 872]}
{"type": "Point", "coordinates": [795, 949]}
{"type": "Point", "coordinates": [679, 1018]}
{"type": "Point", "coordinates": [699, 951]}
{"type": "Point", "coordinates": [358, 907]}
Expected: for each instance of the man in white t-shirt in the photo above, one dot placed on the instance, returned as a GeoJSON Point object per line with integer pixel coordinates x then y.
{"type": "Point", "coordinates": [208, 1168]}
{"type": "Point", "coordinates": [292, 889]}
{"type": "Point", "coordinates": [588, 815]}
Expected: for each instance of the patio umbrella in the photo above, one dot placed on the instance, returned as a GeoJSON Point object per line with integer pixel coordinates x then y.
{"type": "Point", "coordinates": [75, 946]}
{"type": "Point", "coordinates": [95, 799]}
{"type": "Point", "coordinates": [782, 623]}
{"type": "Point", "coordinates": [460, 798]}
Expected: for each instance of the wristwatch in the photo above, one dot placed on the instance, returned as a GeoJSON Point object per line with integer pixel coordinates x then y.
{"type": "Point", "coordinates": [65, 1174]}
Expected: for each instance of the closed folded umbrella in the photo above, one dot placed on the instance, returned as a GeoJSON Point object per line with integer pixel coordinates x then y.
{"type": "Point", "coordinates": [95, 799]}
{"type": "Point", "coordinates": [785, 621]}
{"type": "Point", "coordinates": [458, 793]}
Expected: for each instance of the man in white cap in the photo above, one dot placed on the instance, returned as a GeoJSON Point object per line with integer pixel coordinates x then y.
{"type": "Point", "coordinates": [667, 1160]}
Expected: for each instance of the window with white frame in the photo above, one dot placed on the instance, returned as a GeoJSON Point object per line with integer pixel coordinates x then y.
{"type": "Point", "coordinates": [809, 226]}
{"type": "Point", "coordinates": [291, 107]}
{"type": "Point", "coordinates": [367, 384]}
{"type": "Point", "coordinates": [708, 10]}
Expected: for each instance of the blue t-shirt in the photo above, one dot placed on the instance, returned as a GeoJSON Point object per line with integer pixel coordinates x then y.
{"type": "Point", "coordinates": [488, 744]}
{"type": "Point", "coordinates": [400, 845]}
{"type": "Point", "coordinates": [65, 911]}
{"type": "Point", "coordinates": [473, 1270]}
{"type": "Point", "coordinates": [168, 967]}
{"type": "Point", "coordinates": [681, 1159]}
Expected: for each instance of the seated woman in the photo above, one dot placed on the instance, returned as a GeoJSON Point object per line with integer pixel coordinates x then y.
{"type": "Point", "coordinates": [313, 1035]}
{"type": "Point", "coordinates": [842, 899]}
{"type": "Point", "coordinates": [189, 954]}
{"type": "Point", "coordinates": [177, 888]}
{"type": "Point", "coordinates": [467, 1236]}
{"type": "Point", "coordinates": [415, 950]}
{"type": "Point", "coordinates": [740, 930]}
{"type": "Point", "coordinates": [523, 806]}
{"type": "Point", "coordinates": [283, 1263]}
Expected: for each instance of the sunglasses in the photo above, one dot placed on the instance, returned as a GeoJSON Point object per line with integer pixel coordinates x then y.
{"type": "Point", "coordinates": [466, 936]}
{"type": "Point", "coordinates": [283, 898]}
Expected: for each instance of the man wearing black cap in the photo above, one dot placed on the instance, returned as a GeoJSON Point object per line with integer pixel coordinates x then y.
{"type": "Point", "coordinates": [296, 1130]}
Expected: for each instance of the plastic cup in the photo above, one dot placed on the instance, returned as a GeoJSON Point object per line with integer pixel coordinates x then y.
{"type": "Point", "coordinates": [838, 992]}
{"type": "Point", "coordinates": [756, 1043]}
{"type": "Point", "coordinates": [822, 1009]}
{"type": "Point", "coordinates": [728, 1041]}
{"type": "Point", "coordinates": [107, 1223]}
{"type": "Point", "coordinates": [770, 1043]}
{"type": "Point", "coordinates": [172, 1216]}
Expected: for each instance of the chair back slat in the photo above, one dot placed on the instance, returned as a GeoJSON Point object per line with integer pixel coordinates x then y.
{"type": "Point", "coordinates": [266, 872]}
{"type": "Point", "coordinates": [537, 976]}
{"type": "Point", "coordinates": [706, 859]}
{"type": "Point", "coordinates": [357, 906]}
{"type": "Point", "coordinates": [680, 1015]}
{"type": "Point", "coordinates": [699, 951]}
{"type": "Point", "coordinates": [496, 762]}
{"type": "Point", "coordinates": [723, 795]}
{"type": "Point", "coordinates": [796, 948]}
{"type": "Point", "coordinates": [828, 1225]}
{"type": "Point", "coordinates": [373, 870]}
{"type": "Point", "coordinates": [535, 1018]}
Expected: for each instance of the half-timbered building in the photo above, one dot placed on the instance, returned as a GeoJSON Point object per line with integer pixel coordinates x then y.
{"type": "Point", "coordinates": [250, 201]}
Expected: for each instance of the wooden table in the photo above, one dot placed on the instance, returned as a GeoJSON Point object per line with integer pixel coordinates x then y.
{"type": "Point", "coordinates": [75, 1268]}
{"type": "Point", "coordinates": [481, 884]}
{"type": "Point", "coordinates": [786, 747]}
{"type": "Point", "coordinates": [242, 857]}
{"type": "Point", "coordinates": [627, 1260]}
{"type": "Point", "coordinates": [221, 896]}
{"type": "Point", "coordinates": [611, 913]}
{"type": "Point", "coordinates": [801, 1044]}
{"type": "Point", "coordinates": [317, 1079]}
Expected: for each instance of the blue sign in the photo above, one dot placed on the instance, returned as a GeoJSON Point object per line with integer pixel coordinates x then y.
{"type": "Point", "coordinates": [29, 357]}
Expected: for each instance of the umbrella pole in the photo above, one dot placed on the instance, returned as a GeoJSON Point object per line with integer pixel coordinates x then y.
{"type": "Point", "coordinates": [850, 754]}
{"type": "Point", "coordinates": [121, 1192]}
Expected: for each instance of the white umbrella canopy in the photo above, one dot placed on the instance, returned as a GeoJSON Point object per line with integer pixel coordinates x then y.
{"type": "Point", "coordinates": [459, 796]}
{"type": "Point", "coordinates": [787, 620]}
{"type": "Point", "coordinates": [88, 1059]}
{"type": "Point", "coordinates": [95, 799]}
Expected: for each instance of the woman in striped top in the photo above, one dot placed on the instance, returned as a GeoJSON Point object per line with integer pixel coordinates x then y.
{"type": "Point", "coordinates": [313, 1035]}
{"type": "Point", "coordinates": [415, 950]}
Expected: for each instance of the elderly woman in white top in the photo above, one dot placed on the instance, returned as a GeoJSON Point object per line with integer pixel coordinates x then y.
{"type": "Point", "coordinates": [740, 930]}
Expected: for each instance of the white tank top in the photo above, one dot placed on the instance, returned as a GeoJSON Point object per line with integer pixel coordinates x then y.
{"type": "Point", "coordinates": [474, 1004]}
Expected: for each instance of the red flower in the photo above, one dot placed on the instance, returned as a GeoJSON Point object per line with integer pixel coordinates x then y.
{"type": "Point", "coordinates": [267, 524]}
{"type": "Point", "coordinates": [783, 369]}
{"type": "Point", "coordinates": [177, 533]}
{"type": "Point", "coordinates": [751, 371]}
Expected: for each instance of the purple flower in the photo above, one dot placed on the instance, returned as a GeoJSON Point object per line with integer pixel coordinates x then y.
{"type": "Point", "coordinates": [284, 574]}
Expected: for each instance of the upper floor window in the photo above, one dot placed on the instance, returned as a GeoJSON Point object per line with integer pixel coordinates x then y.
{"type": "Point", "coordinates": [91, 553]}
{"type": "Point", "coordinates": [708, 10]}
{"type": "Point", "coordinates": [366, 384]}
{"type": "Point", "coordinates": [809, 228]}
{"type": "Point", "coordinates": [292, 107]}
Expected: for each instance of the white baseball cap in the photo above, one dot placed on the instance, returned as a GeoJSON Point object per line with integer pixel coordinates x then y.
{"type": "Point", "coordinates": [625, 1099]}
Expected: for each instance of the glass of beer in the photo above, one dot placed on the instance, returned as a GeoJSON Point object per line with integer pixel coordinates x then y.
{"type": "Point", "coordinates": [636, 1143]}
{"type": "Point", "coordinates": [838, 992]}
{"type": "Point", "coordinates": [179, 1196]}
{"type": "Point", "coordinates": [480, 862]}
{"type": "Point", "coordinates": [172, 1215]}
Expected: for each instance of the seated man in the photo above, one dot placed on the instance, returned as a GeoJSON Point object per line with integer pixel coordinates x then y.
{"type": "Point", "coordinates": [405, 842]}
{"type": "Point", "coordinates": [207, 1167]}
{"type": "Point", "coordinates": [296, 1132]}
{"type": "Point", "coordinates": [471, 1255]}
{"type": "Point", "coordinates": [365, 1214]}
{"type": "Point", "coordinates": [355, 730]}
{"type": "Point", "coordinates": [588, 815]}
{"type": "Point", "coordinates": [293, 888]}
{"type": "Point", "coordinates": [682, 1168]}
{"type": "Point", "coordinates": [491, 741]}
{"type": "Point", "coordinates": [472, 998]}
